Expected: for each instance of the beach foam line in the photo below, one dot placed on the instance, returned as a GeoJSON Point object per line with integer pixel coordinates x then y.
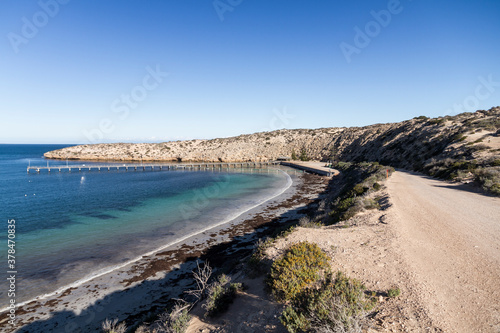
{"type": "Point", "coordinates": [111, 269]}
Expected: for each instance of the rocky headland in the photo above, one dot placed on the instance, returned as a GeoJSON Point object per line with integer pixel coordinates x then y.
{"type": "Point", "coordinates": [410, 144]}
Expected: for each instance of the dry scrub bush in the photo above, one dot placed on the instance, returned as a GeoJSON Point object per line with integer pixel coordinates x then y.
{"type": "Point", "coordinates": [201, 277]}
{"type": "Point", "coordinates": [300, 267]}
{"type": "Point", "coordinates": [489, 178]}
{"type": "Point", "coordinates": [221, 293]}
{"type": "Point", "coordinates": [307, 222]}
{"type": "Point", "coordinates": [338, 304]}
{"type": "Point", "coordinates": [177, 321]}
{"type": "Point", "coordinates": [112, 326]}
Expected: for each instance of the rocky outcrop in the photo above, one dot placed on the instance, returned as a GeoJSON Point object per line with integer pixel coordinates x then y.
{"type": "Point", "coordinates": [408, 144]}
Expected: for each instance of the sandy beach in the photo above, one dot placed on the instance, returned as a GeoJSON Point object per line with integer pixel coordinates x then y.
{"type": "Point", "coordinates": [145, 287]}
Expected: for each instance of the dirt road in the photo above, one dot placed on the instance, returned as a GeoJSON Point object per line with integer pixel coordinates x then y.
{"type": "Point", "coordinates": [450, 240]}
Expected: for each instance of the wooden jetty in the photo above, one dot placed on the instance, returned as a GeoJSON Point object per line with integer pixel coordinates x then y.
{"type": "Point", "coordinates": [314, 167]}
{"type": "Point", "coordinates": [149, 166]}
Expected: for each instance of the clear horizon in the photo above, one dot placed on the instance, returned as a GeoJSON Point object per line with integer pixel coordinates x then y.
{"type": "Point", "coordinates": [96, 72]}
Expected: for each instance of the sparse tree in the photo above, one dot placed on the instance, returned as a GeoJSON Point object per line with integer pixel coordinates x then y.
{"type": "Point", "coordinates": [303, 155]}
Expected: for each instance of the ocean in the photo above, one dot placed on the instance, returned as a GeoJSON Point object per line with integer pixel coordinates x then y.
{"type": "Point", "coordinates": [72, 226]}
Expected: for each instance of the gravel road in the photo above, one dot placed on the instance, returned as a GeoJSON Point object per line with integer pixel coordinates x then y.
{"type": "Point", "coordinates": [449, 237]}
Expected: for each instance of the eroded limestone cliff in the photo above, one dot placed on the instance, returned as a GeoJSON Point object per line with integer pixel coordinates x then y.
{"type": "Point", "coordinates": [410, 144]}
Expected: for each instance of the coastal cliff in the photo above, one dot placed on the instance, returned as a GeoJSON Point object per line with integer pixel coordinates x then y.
{"type": "Point", "coordinates": [411, 144]}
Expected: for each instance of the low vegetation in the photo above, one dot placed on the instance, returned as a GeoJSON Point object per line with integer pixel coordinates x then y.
{"type": "Point", "coordinates": [393, 292]}
{"type": "Point", "coordinates": [257, 263]}
{"type": "Point", "coordinates": [112, 326]}
{"type": "Point", "coordinates": [316, 299]}
{"type": "Point", "coordinates": [485, 174]}
{"type": "Point", "coordinates": [357, 191]}
{"type": "Point", "coordinates": [299, 268]}
{"type": "Point", "coordinates": [489, 179]}
{"type": "Point", "coordinates": [221, 294]}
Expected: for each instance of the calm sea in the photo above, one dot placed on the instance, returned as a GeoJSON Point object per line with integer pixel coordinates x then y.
{"type": "Point", "coordinates": [71, 225]}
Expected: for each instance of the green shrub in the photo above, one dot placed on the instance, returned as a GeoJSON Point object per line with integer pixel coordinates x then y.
{"type": "Point", "coordinates": [449, 168]}
{"type": "Point", "coordinates": [343, 165]}
{"type": "Point", "coordinates": [489, 124]}
{"type": "Point", "coordinates": [479, 147]}
{"type": "Point", "coordinates": [261, 246]}
{"type": "Point", "coordinates": [175, 321]}
{"type": "Point", "coordinates": [437, 121]}
{"type": "Point", "coordinates": [220, 294]}
{"type": "Point", "coordinates": [300, 267]}
{"type": "Point", "coordinates": [393, 292]}
{"type": "Point", "coordinates": [370, 204]}
{"type": "Point", "coordinates": [338, 304]}
{"type": "Point", "coordinates": [358, 189]}
{"type": "Point", "coordinates": [350, 291]}
{"type": "Point", "coordinates": [181, 322]}
{"type": "Point", "coordinates": [459, 138]}
{"type": "Point", "coordinates": [421, 118]}
{"type": "Point", "coordinates": [303, 155]}
{"type": "Point", "coordinates": [346, 203]}
{"type": "Point", "coordinates": [257, 264]}
{"type": "Point", "coordinates": [352, 211]}
{"type": "Point", "coordinates": [293, 321]}
{"type": "Point", "coordinates": [377, 186]}
{"type": "Point", "coordinates": [489, 179]}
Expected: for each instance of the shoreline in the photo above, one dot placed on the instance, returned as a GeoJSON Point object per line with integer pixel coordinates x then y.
{"type": "Point", "coordinates": [110, 269]}
{"type": "Point", "coordinates": [108, 294]}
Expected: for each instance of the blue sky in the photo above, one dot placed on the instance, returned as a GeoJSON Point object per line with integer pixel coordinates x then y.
{"type": "Point", "coordinates": [151, 71]}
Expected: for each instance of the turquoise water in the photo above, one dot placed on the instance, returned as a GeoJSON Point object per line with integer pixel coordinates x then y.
{"type": "Point", "coordinates": [70, 226]}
